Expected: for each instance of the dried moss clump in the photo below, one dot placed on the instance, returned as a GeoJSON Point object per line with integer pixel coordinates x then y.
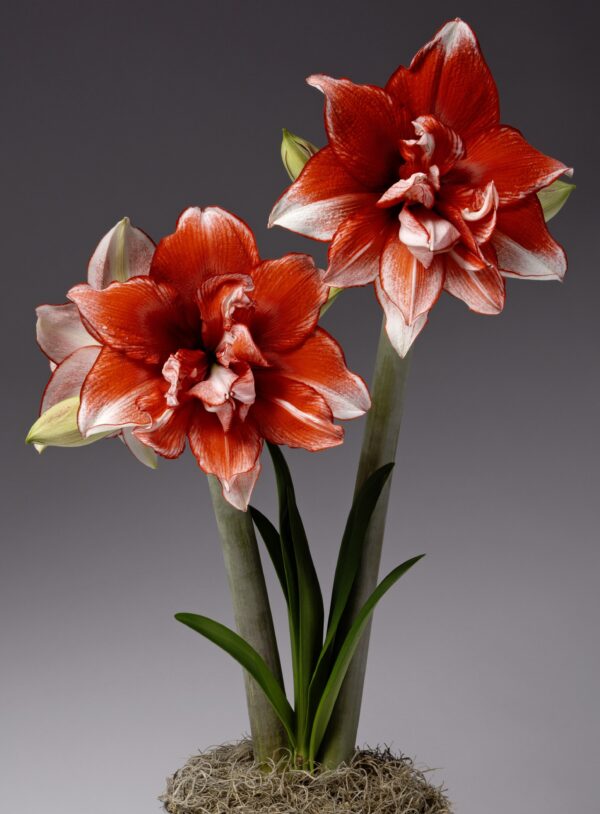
{"type": "Point", "coordinates": [225, 779]}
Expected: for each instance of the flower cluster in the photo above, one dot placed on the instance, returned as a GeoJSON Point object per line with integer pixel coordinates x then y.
{"type": "Point", "coordinates": [420, 189]}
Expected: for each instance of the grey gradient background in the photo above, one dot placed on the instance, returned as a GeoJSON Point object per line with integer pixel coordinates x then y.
{"type": "Point", "coordinates": [484, 661]}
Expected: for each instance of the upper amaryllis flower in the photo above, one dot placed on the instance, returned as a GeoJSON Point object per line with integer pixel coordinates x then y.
{"type": "Point", "coordinates": [122, 253]}
{"type": "Point", "coordinates": [217, 347]}
{"type": "Point", "coordinates": [422, 189]}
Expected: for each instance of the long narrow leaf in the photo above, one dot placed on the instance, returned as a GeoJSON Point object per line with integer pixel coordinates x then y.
{"type": "Point", "coordinates": [338, 673]}
{"type": "Point", "coordinates": [247, 656]}
{"type": "Point", "coordinates": [310, 599]}
{"type": "Point", "coordinates": [272, 541]}
{"type": "Point", "coordinates": [289, 565]}
{"type": "Point", "coordinates": [348, 563]}
{"type": "Point", "coordinates": [352, 543]}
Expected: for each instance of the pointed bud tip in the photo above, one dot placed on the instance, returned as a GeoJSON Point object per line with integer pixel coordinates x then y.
{"type": "Point", "coordinates": [295, 152]}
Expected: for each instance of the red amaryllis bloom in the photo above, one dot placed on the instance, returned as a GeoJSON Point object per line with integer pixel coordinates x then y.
{"type": "Point", "coordinates": [422, 189]}
{"type": "Point", "coordinates": [220, 348]}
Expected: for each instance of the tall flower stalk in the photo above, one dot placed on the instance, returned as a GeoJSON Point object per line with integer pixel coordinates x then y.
{"type": "Point", "coordinates": [253, 618]}
{"type": "Point", "coordinates": [379, 446]}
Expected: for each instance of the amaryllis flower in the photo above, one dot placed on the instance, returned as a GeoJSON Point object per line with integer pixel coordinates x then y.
{"type": "Point", "coordinates": [122, 253]}
{"type": "Point", "coordinates": [219, 348]}
{"type": "Point", "coordinates": [422, 189]}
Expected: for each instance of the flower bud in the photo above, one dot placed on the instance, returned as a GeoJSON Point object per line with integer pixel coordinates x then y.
{"type": "Point", "coordinates": [295, 152]}
{"type": "Point", "coordinates": [554, 197]}
{"type": "Point", "coordinates": [57, 427]}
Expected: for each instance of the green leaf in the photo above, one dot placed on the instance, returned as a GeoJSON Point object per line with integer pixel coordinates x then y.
{"type": "Point", "coordinates": [554, 197]}
{"type": "Point", "coordinates": [348, 563]}
{"type": "Point", "coordinates": [247, 656]}
{"type": "Point", "coordinates": [347, 650]}
{"type": "Point", "coordinates": [272, 541]}
{"type": "Point", "coordinates": [310, 600]}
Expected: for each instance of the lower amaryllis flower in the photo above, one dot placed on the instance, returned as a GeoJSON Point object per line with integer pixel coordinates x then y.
{"type": "Point", "coordinates": [219, 348]}
{"type": "Point", "coordinates": [421, 189]}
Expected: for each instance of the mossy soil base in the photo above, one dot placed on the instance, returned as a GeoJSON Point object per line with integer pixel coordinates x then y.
{"type": "Point", "coordinates": [225, 779]}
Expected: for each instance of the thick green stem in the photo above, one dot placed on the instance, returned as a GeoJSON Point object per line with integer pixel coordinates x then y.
{"type": "Point", "coordinates": [252, 614]}
{"type": "Point", "coordinates": [379, 447]}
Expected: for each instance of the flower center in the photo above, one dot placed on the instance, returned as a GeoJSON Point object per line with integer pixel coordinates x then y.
{"type": "Point", "coordinates": [219, 375]}
{"type": "Point", "coordinates": [427, 194]}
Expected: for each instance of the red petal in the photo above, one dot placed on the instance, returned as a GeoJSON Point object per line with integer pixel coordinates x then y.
{"type": "Point", "coordinates": [363, 126]}
{"type": "Point", "coordinates": [144, 319]}
{"type": "Point", "coordinates": [68, 377]}
{"type": "Point", "coordinates": [483, 291]}
{"type": "Point", "coordinates": [288, 294]}
{"type": "Point", "coordinates": [320, 363]}
{"type": "Point", "coordinates": [168, 439]}
{"type": "Point", "coordinates": [219, 298]}
{"type": "Point", "coordinates": [449, 79]}
{"type": "Point", "coordinates": [120, 392]}
{"type": "Point", "coordinates": [355, 253]}
{"type": "Point", "coordinates": [224, 454]}
{"type": "Point", "coordinates": [292, 413]}
{"type": "Point", "coordinates": [409, 285]}
{"type": "Point", "coordinates": [59, 331]}
{"type": "Point", "coordinates": [122, 253]}
{"type": "Point", "coordinates": [524, 246]}
{"type": "Point", "coordinates": [238, 490]}
{"type": "Point", "coordinates": [321, 198]}
{"type": "Point", "coordinates": [400, 333]}
{"type": "Point", "coordinates": [206, 242]}
{"type": "Point", "coordinates": [503, 156]}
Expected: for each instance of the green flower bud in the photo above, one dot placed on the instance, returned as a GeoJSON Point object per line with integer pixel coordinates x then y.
{"type": "Point", "coordinates": [554, 197]}
{"type": "Point", "coordinates": [295, 152]}
{"type": "Point", "coordinates": [57, 427]}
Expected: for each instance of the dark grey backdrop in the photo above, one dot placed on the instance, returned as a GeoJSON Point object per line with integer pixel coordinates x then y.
{"type": "Point", "coordinates": [484, 661]}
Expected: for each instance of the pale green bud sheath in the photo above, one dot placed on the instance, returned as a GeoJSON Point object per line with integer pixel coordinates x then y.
{"type": "Point", "coordinates": [57, 427]}
{"type": "Point", "coordinates": [554, 197]}
{"type": "Point", "coordinates": [295, 152]}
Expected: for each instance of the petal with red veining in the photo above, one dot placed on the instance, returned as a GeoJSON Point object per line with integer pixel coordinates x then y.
{"type": "Point", "coordinates": [60, 331]}
{"type": "Point", "coordinates": [218, 300]}
{"type": "Point", "coordinates": [288, 294]}
{"type": "Point", "coordinates": [67, 379]}
{"type": "Point", "coordinates": [238, 489]}
{"type": "Point", "coordinates": [483, 290]}
{"type": "Point", "coordinates": [206, 242]}
{"type": "Point", "coordinates": [503, 156]}
{"type": "Point", "coordinates": [323, 196]}
{"type": "Point", "coordinates": [320, 363]}
{"type": "Point", "coordinates": [524, 245]}
{"type": "Point", "coordinates": [409, 285]}
{"type": "Point", "coordinates": [358, 244]}
{"type": "Point", "coordinates": [449, 79]}
{"type": "Point", "coordinates": [169, 436]}
{"type": "Point", "coordinates": [141, 317]}
{"type": "Point", "coordinates": [400, 333]}
{"type": "Point", "coordinates": [220, 453]}
{"type": "Point", "coordinates": [120, 392]}
{"type": "Point", "coordinates": [290, 412]}
{"type": "Point", "coordinates": [364, 127]}
{"type": "Point", "coordinates": [122, 253]}
{"type": "Point", "coordinates": [426, 233]}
